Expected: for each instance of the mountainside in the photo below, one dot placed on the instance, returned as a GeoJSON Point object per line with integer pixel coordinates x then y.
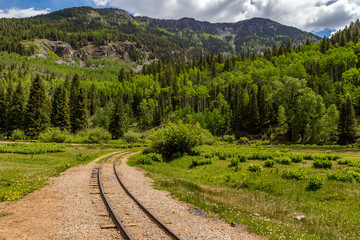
{"type": "Point", "coordinates": [113, 33]}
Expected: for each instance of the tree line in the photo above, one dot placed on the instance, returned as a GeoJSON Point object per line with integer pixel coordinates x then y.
{"type": "Point", "coordinates": [307, 93]}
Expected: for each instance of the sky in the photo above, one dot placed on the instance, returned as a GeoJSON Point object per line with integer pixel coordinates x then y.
{"type": "Point", "coordinates": [322, 16]}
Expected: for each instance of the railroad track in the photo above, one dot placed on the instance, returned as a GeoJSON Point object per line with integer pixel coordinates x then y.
{"type": "Point", "coordinates": [131, 218]}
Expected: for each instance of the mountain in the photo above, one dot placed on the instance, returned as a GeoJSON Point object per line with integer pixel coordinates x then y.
{"type": "Point", "coordinates": [325, 32]}
{"type": "Point", "coordinates": [112, 33]}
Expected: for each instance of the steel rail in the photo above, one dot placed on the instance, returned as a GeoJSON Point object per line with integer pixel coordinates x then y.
{"type": "Point", "coordinates": [111, 211]}
{"type": "Point", "coordinates": [143, 208]}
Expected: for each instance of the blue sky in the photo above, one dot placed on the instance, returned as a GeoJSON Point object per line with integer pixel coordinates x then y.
{"type": "Point", "coordinates": [308, 15]}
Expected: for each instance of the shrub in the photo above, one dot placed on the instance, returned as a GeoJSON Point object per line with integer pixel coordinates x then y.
{"type": "Point", "coordinates": [315, 183]}
{"type": "Point", "coordinates": [344, 162]}
{"type": "Point", "coordinates": [196, 163]}
{"type": "Point", "coordinates": [222, 156]}
{"type": "Point", "coordinates": [284, 161]}
{"type": "Point", "coordinates": [322, 164]}
{"type": "Point", "coordinates": [177, 137]}
{"type": "Point", "coordinates": [80, 157]}
{"type": "Point", "coordinates": [261, 156]}
{"type": "Point", "coordinates": [96, 135]}
{"type": "Point", "coordinates": [54, 135]}
{"type": "Point", "coordinates": [342, 177]}
{"type": "Point", "coordinates": [234, 162]}
{"type": "Point", "coordinates": [255, 168]}
{"type": "Point", "coordinates": [297, 158]}
{"type": "Point", "coordinates": [18, 135]}
{"type": "Point", "coordinates": [269, 163]}
{"type": "Point", "coordinates": [228, 138]}
{"type": "Point", "coordinates": [155, 157]}
{"type": "Point", "coordinates": [308, 157]}
{"type": "Point", "coordinates": [331, 157]}
{"type": "Point", "coordinates": [242, 158]}
{"type": "Point", "coordinates": [145, 160]}
{"type": "Point", "coordinates": [132, 137]}
{"type": "Point", "coordinates": [297, 174]}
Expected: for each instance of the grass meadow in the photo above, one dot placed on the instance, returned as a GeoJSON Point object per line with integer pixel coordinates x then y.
{"type": "Point", "coordinates": [265, 187]}
{"type": "Point", "coordinates": [27, 167]}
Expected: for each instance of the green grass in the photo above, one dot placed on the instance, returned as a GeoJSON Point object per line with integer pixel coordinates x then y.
{"type": "Point", "coordinates": [264, 200]}
{"type": "Point", "coordinates": [4, 214]}
{"type": "Point", "coordinates": [21, 174]}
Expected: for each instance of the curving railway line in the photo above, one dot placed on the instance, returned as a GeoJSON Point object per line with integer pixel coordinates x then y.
{"type": "Point", "coordinates": [131, 218]}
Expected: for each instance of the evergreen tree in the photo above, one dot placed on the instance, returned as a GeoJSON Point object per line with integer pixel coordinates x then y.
{"type": "Point", "coordinates": [36, 119]}
{"type": "Point", "coordinates": [347, 122]}
{"type": "Point", "coordinates": [78, 109]}
{"type": "Point", "coordinates": [2, 108]}
{"type": "Point", "coordinates": [93, 98]}
{"type": "Point", "coordinates": [8, 100]}
{"type": "Point", "coordinates": [254, 115]}
{"type": "Point", "coordinates": [122, 75]}
{"type": "Point", "coordinates": [117, 125]}
{"type": "Point", "coordinates": [60, 112]}
{"type": "Point", "coordinates": [17, 108]}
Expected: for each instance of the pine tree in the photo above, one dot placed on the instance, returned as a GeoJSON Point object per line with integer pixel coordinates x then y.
{"type": "Point", "coordinates": [78, 109]}
{"type": "Point", "coordinates": [36, 119]}
{"type": "Point", "coordinates": [60, 112]}
{"type": "Point", "coordinates": [117, 125]}
{"type": "Point", "coordinates": [93, 98]}
{"type": "Point", "coordinates": [254, 115]}
{"type": "Point", "coordinates": [17, 108]}
{"type": "Point", "coordinates": [347, 122]}
{"type": "Point", "coordinates": [8, 100]}
{"type": "Point", "coordinates": [2, 108]}
{"type": "Point", "coordinates": [122, 75]}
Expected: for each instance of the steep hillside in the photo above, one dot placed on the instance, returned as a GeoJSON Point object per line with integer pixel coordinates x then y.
{"type": "Point", "coordinates": [113, 33]}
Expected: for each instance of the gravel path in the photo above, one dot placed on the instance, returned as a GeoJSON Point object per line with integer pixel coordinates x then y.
{"type": "Point", "coordinates": [67, 208]}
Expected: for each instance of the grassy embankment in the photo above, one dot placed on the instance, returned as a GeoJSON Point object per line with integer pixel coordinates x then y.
{"type": "Point", "coordinates": [27, 167]}
{"type": "Point", "coordinates": [233, 182]}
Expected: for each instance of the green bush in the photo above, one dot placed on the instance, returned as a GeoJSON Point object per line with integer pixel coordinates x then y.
{"type": "Point", "coordinates": [269, 163]}
{"type": "Point", "coordinates": [297, 174]}
{"type": "Point", "coordinates": [234, 162]}
{"type": "Point", "coordinates": [196, 163]}
{"type": "Point", "coordinates": [261, 156]}
{"type": "Point", "coordinates": [342, 177]}
{"type": "Point", "coordinates": [228, 138]}
{"type": "Point", "coordinates": [132, 137]}
{"type": "Point", "coordinates": [222, 156]}
{"type": "Point", "coordinates": [297, 158]}
{"type": "Point", "coordinates": [322, 164]}
{"type": "Point", "coordinates": [242, 158]}
{"type": "Point", "coordinates": [18, 135]}
{"type": "Point", "coordinates": [344, 162]}
{"type": "Point", "coordinates": [145, 160]}
{"type": "Point", "coordinates": [331, 157]}
{"type": "Point", "coordinates": [284, 161]}
{"type": "Point", "coordinates": [155, 157]}
{"type": "Point", "coordinates": [255, 168]}
{"type": "Point", "coordinates": [54, 135]}
{"type": "Point", "coordinates": [315, 183]}
{"type": "Point", "coordinates": [308, 157]}
{"type": "Point", "coordinates": [97, 135]}
{"type": "Point", "coordinates": [177, 137]}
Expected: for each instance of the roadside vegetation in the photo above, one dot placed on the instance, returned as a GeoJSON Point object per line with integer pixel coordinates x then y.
{"type": "Point", "coordinates": [27, 167]}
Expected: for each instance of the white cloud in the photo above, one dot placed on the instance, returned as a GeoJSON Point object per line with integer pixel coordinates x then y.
{"type": "Point", "coordinates": [305, 14]}
{"type": "Point", "coordinates": [21, 13]}
{"type": "Point", "coordinates": [101, 2]}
